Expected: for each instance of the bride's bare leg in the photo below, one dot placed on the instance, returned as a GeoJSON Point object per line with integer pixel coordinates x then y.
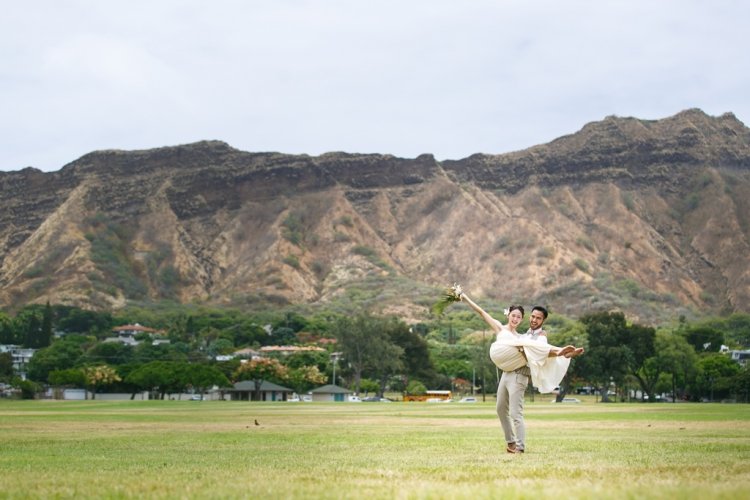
{"type": "Point", "coordinates": [576, 352]}
{"type": "Point", "coordinates": [563, 351]}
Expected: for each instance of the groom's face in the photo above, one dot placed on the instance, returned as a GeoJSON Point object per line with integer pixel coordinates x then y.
{"type": "Point", "coordinates": [536, 319]}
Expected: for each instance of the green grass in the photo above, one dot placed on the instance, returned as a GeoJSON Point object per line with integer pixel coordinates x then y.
{"type": "Point", "coordinates": [186, 449]}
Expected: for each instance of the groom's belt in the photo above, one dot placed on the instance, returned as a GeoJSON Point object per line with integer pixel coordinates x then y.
{"type": "Point", "coordinates": [524, 370]}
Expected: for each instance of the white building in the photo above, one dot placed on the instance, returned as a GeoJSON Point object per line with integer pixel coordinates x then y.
{"type": "Point", "coordinates": [21, 357]}
{"type": "Point", "coordinates": [740, 357]}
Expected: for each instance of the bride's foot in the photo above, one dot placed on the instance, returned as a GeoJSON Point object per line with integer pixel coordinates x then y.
{"type": "Point", "coordinates": [565, 351]}
{"type": "Point", "coordinates": [574, 353]}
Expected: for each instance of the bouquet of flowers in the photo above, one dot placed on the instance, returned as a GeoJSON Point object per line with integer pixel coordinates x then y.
{"type": "Point", "coordinates": [450, 295]}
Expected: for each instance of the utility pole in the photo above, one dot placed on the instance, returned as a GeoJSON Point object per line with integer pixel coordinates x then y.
{"type": "Point", "coordinates": [335, 357]}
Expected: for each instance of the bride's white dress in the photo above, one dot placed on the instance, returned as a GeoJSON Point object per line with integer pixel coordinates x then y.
{"type": "Point", "coordinates": [546, 372]}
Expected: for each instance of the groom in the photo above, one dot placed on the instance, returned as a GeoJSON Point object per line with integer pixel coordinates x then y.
{"type": "Point", "coordinates": [512, 387]}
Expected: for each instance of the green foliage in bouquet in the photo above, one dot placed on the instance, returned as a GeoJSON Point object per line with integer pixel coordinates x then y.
{"type": "Point", "coordinates": [450, 295]}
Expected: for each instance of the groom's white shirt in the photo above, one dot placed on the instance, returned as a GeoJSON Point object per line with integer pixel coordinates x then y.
{"type": "Point", "coordinates": [534, 334]}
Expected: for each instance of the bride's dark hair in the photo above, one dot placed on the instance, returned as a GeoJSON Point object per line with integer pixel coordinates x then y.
{"type": "Point", "coordinates": [512, 308]}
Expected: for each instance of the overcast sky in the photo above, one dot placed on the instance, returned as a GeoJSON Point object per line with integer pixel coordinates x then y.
{"type": "Point", "coordinates": [403, 77]}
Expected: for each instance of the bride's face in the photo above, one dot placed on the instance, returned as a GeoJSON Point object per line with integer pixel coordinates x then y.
{"type": "Point", "coordinates": [514, 318]}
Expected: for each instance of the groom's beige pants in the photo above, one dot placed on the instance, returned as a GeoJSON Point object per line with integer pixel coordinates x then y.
{"type": "Point", "coordinates": [510, 393]}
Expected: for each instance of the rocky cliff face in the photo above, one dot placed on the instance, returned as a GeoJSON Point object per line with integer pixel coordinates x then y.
{"type": "Point", "coordinates": [651, 217]}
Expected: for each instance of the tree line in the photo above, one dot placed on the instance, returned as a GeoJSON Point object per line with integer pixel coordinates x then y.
{"type": "Point", "coordinates": [371, 353]}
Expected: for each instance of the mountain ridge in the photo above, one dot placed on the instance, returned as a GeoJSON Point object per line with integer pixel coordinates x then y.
{"type": "Point", "coordinates": [638, 215]}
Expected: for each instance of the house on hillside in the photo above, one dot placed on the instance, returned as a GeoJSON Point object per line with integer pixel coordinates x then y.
{"type": "Point", "coordinates": [126, 334]}
{"type": "Point", "coordinates": [330, 393]}
{"type": "Point", "coordinates": [289, 349]}
{"type": "Point", "coordinates": [245, 391]}
{"type": "Point", "coordinates": [246, 353]}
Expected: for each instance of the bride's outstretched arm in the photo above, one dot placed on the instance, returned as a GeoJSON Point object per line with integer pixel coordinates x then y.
{"type": "Point", "coordinates": [492, 322]}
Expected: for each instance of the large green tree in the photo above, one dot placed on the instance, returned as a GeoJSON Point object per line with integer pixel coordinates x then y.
{"type": "Point", "coordinates": [366, 343]}
{"type": "Point", "coordinates": [6, 366]}
{"type": "Point", "coordinates": [112, 353]}
{"type": "Point", "coordinates": [71, 377]}
{"type": "Point", "coordinates": [644, 363]}
{"type": "Point", "coordinates": [7, 330]}
{"type": "Point", "coordinates": [715, 379]}
{"type": "Point", "coordinates": [617, 350]}
{"type": "Point", "coordinates": [704, 338]}
{"type": "Point", "coordinates": [45, 333]}
{"type": "Point", "coordinates": [75, 320]}
{"type": "Point", "coordinates": [61, 355]}
{"type": "Point", "coordinates": [259, 370]}
{"type": "Point", "coordinates": [389, 356]}
{"type": "Point", "coordinates": [304, 378]}
{"type": "Point", "coordinates": [416, 357]}
{"type": "Point", "coordinates": [737, 329]}
{"type": "Point", "coordinates": [202, 377]}
{"type": "Point", "coordinates": [741, 385]}
{"type": "Point", "coordinates": [677, 358]}
{"type": "Point", "coordinates": [608, 356]}
{"type": "Point", "coordinates": [160, 377]}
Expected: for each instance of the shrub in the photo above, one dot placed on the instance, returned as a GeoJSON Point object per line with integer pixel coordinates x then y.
{"type": "Point", "coordinates": [545, 252]}
{"type": "Point", "coordinates": [581, 265]}
{"type": "Point", "coordinates": [339, 237]}
{"type": "Point", "coordinates": [585, 243]}
{"type": "Point", "coordinates": [363, 250]}
{"type": "Point", "coordinates": [692, 202]}
{"type": "Point", "coordinates": [627, 200]}
{"type": "Point", "coordinates": [292, 260]}
{"type": "Point", "coordinates": [293, 229]}
{"type": "Point", "coordinates": [345, 220]}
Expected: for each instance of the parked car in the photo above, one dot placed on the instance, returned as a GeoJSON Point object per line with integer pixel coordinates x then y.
{"type": "Point", "coordinates": [371, 399]}
{"type": "Point", "coordinates": [567, 400]}
{"type": "Point", "coordinates": [468, 399]}
{"type": "Point", "coordinates": [293, 399]}
{"type": "Point", "coordinates": [196, 397]}
{"type": "Point", "coordinates": [354, 399]}
{"type": "Point", "coordinates": [307, 398]}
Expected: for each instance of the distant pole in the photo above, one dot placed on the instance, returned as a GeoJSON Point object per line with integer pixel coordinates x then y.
{"type": "Point", "coordinates": [484, 381]}
{"type": "Point", "coordinates": [335, 358]}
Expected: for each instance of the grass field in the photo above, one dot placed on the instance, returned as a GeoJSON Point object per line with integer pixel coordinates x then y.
{"type": "Point", "coordinates": [187, 449]}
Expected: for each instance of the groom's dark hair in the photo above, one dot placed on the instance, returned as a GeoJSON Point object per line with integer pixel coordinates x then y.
{"type": "Point", "coordinates": [543, 310]}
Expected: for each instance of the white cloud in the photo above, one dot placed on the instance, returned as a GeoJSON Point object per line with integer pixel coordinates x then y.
{"type": "Point", "coordinates": [450, 78]}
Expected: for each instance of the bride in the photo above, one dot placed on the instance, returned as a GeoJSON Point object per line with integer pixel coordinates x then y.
{"type": "Point", "coordinates": [511, 350]}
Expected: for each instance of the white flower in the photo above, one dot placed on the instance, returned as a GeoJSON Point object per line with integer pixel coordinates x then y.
{"type": "Point", "coordinates": [506, 312]}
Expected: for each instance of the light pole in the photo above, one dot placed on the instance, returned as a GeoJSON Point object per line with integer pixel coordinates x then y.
{"type": "Point", "coordinates": [335, 357]}
{"type": "Point", "coordinates": [484, 382]}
